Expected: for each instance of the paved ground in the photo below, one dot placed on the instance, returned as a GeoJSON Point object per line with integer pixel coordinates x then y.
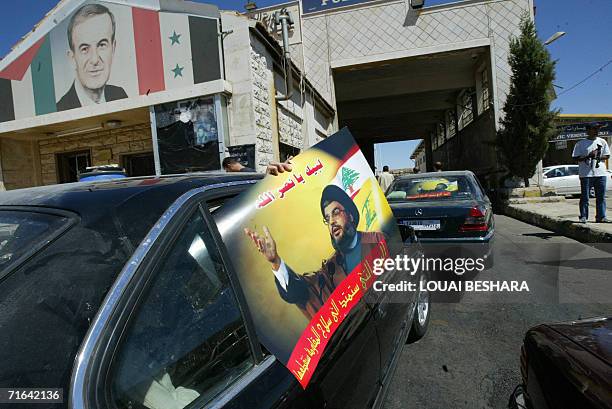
{"type": "Point", "coordinates": [470, 356]}
{"type": "Point", "coordinates": [562, 216]}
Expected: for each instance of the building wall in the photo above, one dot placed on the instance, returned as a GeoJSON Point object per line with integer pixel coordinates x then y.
{"type": "Point", "coordinates": [471, 148]}
{"type": "Point", "coordinates": [238, 62]}
{"type": "Point", "coordinates": [106, 147]}
{"type": "Point", "coordinates": [390, 30]}
{"type": "Point", "coordinates": [290, 128]}
{"type": "Point", "coordinates": [263, 94]}
{"type": "Point", "coordinates": [19, 160]}
{"type": "Point", "coordinates": [255, 117]}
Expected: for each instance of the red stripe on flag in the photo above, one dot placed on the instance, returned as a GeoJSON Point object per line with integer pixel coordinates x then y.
{"type": "Point", "coordinates": [149, 60]}
{"type": "Point", "coordinates": [17, 69]}
{"type": "Point", "coordinates": [348, 155]}
{"type": "Point", "coordinates": [309, 348]}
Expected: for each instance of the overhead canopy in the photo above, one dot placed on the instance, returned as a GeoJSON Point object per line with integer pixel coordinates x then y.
{"type": "Point", "coordinates": [403, 98]}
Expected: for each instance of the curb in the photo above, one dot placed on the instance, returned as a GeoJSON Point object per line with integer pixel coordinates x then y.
{"type": "Point", "coordinates": [565, 227]}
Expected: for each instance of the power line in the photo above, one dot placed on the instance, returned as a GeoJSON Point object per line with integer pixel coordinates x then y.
{"type": "Point", "coordinates": [588, 77]}
{"type": "Point", "coordinates": [600, 69]}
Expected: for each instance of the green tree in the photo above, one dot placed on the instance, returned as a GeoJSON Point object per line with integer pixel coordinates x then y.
{"type": "Point", "coordinates": [527, 125]}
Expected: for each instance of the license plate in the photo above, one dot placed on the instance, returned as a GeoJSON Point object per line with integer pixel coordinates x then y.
{"type": "Point", "coordinates": [422, 224]}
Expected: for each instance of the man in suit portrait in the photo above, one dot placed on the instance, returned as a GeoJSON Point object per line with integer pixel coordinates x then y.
{"type": "Point", "coordinates": [91, 38]}
{"type": "Point", "coordinates": [310, 291]}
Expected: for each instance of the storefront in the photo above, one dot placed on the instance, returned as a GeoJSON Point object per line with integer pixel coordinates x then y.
{"type": "Point", "coordinates": [570, 129]}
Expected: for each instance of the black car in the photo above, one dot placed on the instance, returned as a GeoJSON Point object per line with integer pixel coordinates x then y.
{"type": "Point", "coordinates": [122, 294]}
{"type": "Point", "coordinates": [566, 365]}
{"type": "Point", "coordinates": [446, 208]}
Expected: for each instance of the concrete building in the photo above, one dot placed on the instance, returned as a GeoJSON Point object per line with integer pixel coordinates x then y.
{"type": "Point", "coordinates": [418, 156]}
{"type": "Point", "coordinates": [440, 74]}
{"type": "Point", "coordinates": [190, 84]}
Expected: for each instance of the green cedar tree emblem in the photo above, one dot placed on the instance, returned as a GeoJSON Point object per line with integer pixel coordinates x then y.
{"type": "Point", "coordinates": [349, 177]}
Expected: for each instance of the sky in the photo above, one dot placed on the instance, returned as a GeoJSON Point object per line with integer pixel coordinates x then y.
{"type": "Point", "coordinates": [586, 47]}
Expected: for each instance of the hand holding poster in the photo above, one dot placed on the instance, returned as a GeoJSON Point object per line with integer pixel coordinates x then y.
{"type": "Point", "coordinates": [305, 242]}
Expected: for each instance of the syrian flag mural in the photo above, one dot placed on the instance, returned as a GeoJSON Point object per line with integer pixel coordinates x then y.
{"type": "Point", "coordinates": [104, 52]}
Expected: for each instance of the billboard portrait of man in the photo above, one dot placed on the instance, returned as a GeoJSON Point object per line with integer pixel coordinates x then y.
{"type": "Point", "coordinates": [309, 291]}
{"type": "Point", "coordinates": [91, 39]}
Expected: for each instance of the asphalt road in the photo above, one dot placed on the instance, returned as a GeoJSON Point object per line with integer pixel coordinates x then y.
{"type": "Point", "coordinates": [470, 356]}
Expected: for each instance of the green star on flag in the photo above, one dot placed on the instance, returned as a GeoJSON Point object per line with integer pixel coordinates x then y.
{"type": "Point", "coordinates": [178, 71]}
{"type": "Point", "coordinates": [175, 38]}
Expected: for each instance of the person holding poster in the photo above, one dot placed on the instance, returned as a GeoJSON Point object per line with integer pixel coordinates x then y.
{"type": "Point", "coordinates": [310, 291]}
{"type": "Point", "coordinates": [303, 242]}
{"type": "Point", "coordinates": [91, 38]}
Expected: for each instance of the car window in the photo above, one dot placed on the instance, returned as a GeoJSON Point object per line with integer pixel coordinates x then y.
{"type": "Point", "coordinates": [21, 231]}
{"type": "Point", "coordinates": [478, 189]}
{"type": "Point", "coordinates": [556, 173]}
{"type": "Point", "coordinates": [187, 340]}
{"type": "Point", "coordinates": [572, 170]}
{"type": "Point", "coordinates": [48, 302]}
{"type": "Point", "coordinates": [430, 188]}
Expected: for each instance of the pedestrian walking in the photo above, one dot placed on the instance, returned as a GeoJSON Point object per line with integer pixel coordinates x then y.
{"type": "Point", "coordinates": [385, 178]}
{"type": "Point", "coordinates": [438, 167]}
{"type": "Point", "coordinates": [591, 154]}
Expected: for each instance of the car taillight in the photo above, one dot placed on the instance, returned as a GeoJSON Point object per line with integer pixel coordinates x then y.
{"type": "Point", "coordinates": [475, 221]}
{"type": "Point", "coordinates": [476, 212]}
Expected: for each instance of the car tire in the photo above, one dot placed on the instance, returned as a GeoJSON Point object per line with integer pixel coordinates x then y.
{"type": "Point", "coordinates": [592, 192]}
{"type": "Point", "coordinates": [422, 312]}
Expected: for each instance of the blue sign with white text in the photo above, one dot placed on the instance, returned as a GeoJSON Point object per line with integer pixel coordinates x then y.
{"type": "Point", "coordinates": [311, 6]}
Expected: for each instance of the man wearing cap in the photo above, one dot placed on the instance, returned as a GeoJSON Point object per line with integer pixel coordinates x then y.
{"type": "Point", "coordinates": [591, 154]}
{"type": "Point", "coordinates": [310, 291]}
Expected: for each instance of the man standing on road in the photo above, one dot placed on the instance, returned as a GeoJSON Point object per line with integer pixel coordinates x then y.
{"type": "Point", "coordinates": [385, 179]}
{"type": "Point", "coordinates": [591, 154]}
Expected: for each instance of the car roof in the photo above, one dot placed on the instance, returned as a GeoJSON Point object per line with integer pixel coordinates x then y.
{"type": "Point", "coordinates": [557, 166]}
{"type": "Point", "coordinates": [437, 174]}
{"type": "Point", "coordinates": [101, 196]}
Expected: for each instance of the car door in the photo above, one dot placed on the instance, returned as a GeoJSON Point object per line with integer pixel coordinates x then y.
{"type": "Point", "coordinates": [348, 374]}
{"type": "Point", "coordinates": [393, 309]}
{"type": "Point", "coordinates": [556, 178]}
{"type": "Point", "coordinates": [573, 180]}
{"type": "Point", "coordinates": [173, 332]}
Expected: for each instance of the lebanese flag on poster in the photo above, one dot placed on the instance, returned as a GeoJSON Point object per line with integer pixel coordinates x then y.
{"type": "Point", "coordinates": [353, 172]}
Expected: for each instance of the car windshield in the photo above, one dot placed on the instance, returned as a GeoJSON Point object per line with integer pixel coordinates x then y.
{"type": "Point", "coordinates": [430, 188]}
{"type": "Point", "coordinates": [22, 231]}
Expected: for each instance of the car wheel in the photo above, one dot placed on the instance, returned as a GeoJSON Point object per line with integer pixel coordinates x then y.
{"type": "Point", "coordinates": [420, 320]}
{"type": "Point", "coordinates": [592, 192]}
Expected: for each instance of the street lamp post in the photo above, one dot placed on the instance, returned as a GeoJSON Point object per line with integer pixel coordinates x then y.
{"type": "Point", "coordinates": [554, 37]}
{"type": "Point", "coordinates": [551, 39]}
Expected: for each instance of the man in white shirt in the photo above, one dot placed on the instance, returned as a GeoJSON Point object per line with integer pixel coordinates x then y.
{"type": "Point", "coordinates": [591, 154]}
{"type": "Point", "coordinates": [385, 179]}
